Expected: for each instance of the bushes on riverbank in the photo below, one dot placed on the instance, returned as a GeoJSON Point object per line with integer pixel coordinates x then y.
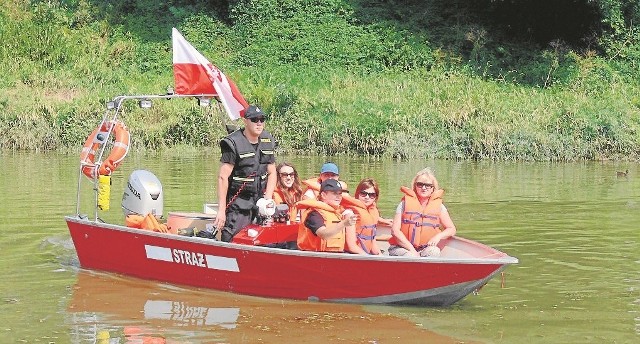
{"type": "Point", "coordinates": [449, 115]}
{"type": "Point", "coordinates": [336, 78]}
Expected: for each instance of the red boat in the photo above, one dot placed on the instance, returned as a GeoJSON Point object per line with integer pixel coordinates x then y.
{"type": "Point", "coordinates": [249, 266]}
{"type": "Point", "coordinates": [256, 262]}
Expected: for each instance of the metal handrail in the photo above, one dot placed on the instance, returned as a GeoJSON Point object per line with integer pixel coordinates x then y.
{"type": "Point", "coordinates": [115, 106]}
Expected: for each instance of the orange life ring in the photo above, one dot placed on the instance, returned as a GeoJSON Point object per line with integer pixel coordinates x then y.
{"type": "Point", "coordinates": [96, 139]}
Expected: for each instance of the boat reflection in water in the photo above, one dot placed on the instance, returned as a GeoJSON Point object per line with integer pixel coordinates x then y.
{"type": "Point", "coordinates": [188, 315]}
{"type": "Point", "coordinates": [110, 309]}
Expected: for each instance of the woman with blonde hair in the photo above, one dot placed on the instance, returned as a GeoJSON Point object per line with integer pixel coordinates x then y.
{"type": "Point", "coordinates": [288, 188]}
{"type": "Point", "coordinates": [421, 219]}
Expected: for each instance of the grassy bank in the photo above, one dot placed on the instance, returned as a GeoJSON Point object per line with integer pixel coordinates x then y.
{"type": "Point", "coordinates": [457, 116]}
{"type": "Point", "coordinates": [336, 77]}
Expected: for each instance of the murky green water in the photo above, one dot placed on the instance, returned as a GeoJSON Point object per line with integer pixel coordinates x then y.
{"type": "Point", "coordinates": [574, 227]}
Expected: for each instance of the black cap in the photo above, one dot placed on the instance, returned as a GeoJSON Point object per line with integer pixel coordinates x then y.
{"type": "Point", "coordinates": [330, 185]}
{"type": "Point", "coordinates": [253, 112]}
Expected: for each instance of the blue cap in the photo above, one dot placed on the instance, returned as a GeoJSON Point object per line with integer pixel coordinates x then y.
{"type": "Point", "coordinates": [329, 167]}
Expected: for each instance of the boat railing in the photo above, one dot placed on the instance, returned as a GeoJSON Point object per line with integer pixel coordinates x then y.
{"type": "Point", "coordinates": [114, 108]}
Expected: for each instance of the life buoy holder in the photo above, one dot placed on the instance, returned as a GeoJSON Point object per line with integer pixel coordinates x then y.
{"type": "Point", "coordinates": [96, 139]}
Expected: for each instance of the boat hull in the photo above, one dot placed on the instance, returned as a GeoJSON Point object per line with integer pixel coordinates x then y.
{"type": "Point", "coordinates": [464, 266]}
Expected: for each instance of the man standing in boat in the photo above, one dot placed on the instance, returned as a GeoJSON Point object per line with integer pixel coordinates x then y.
{"type": "Point", "coordinates": [247, 173]}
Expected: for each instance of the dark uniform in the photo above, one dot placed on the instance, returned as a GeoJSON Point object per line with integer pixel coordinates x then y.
{"type": "Point", "coordinates": [248, 179]}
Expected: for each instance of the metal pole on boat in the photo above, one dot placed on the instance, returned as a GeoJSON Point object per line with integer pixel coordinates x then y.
{"type": "Point", "coordinates": [95, 194]}
{"type": "Point", "coordinates": [78, 193]}
{"type": "Point", "coordinates": [228, 127]}
{"type": "Point", "coordinates": [115, 105]}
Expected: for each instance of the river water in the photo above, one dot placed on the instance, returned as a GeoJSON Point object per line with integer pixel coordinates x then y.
{"type": "Point", "coordinates": [574, 227]}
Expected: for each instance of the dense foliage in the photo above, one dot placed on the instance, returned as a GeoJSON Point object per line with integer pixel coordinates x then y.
{"type": "Point", "coordinates": [463, 79]}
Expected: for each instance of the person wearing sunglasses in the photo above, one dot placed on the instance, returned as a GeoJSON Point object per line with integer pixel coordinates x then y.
{"type": "Point", "coordinates": [421, 219]}
{"type": "Point", "coordinates": [288, 189]}
{"type": "Point", "coordinates": [362, 240]}
{"type": "Point", "coordinates": [247, 173]}
{"type": "Point", "coordinates": [329, 170]}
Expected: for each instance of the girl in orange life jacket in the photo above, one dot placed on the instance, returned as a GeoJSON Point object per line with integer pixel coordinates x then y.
{"type": "Point", "coordinates": [421, 219]}
{"type": "Point", "coordinates": [328, 171]}
{"type": "Point", "coordinates": [288, 189]}
{"type": "Point", "coordinates": [363, 239]}
{"type": "Point", "coordinates": [323, 224]}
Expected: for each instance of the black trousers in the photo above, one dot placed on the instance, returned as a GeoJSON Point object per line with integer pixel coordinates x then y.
{"type": "Point", "coordinates": [238, 217]}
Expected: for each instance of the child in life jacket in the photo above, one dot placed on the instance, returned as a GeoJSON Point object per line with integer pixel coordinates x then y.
{"type": "Point", "coordinates": [324, 222]}
{"type": "Point", "coordinates": [328, 171]}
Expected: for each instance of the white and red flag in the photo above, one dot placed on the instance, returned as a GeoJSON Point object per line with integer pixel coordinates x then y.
{"type": "Point", "coordinates": [194, 74]}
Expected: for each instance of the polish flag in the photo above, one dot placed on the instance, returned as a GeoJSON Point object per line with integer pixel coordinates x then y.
{"type": "Point", "coordinates": [194, 74]}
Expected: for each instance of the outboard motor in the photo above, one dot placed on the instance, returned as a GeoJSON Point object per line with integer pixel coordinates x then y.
{"type": "Point", "coordinates": [143, 194]}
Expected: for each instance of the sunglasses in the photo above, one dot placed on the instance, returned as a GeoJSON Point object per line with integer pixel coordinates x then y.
{"type": "Point", "coordinates": [284, 175]}
{"type": "Point", "coordinates": [368, 194]}
{"type": "Point", "coordinates": [257, 119]}
{"type": "Point", "coordinates": [421, 185]}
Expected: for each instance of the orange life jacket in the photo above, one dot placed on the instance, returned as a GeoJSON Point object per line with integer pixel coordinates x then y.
{"type": "Point", "coordinates": [307, 240]}
{"type": "Point", "coordinates": [145, 222]}
{"type": "Point", "coordinates": [367, 221]}
{"type": "Point", "coordinates": [419, 224]}
{"type": "Point", "coordinates": [314, 184]}
{"type": "Point", "coordinates": [278, 197]}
